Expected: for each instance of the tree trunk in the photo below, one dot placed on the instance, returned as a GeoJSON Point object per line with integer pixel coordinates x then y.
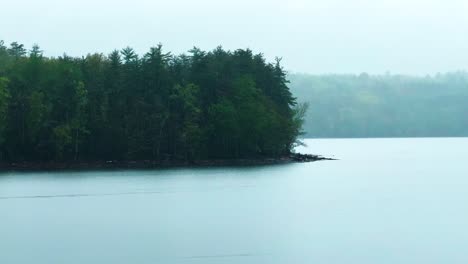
{"type": "Point", "coordinates": [76, 144]}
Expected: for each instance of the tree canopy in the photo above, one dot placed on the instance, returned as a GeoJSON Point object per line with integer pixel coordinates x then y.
{"type": "Point", "coordinates": [384, 106]}
{"type": "Point", "coordinates": [200, 105]}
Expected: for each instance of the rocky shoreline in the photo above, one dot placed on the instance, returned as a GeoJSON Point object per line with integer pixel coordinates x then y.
{"type": "Point", "coordinates": [148, 164]}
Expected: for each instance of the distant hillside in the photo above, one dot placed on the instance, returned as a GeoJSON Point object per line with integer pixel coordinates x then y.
{"type": "Point", "coordinates": [384, 106]}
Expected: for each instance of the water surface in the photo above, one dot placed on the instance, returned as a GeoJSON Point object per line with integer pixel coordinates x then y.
{"type": "Point", "coordinates": [385, 201]}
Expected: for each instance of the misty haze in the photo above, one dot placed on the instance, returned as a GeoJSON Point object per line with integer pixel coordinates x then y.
{"type": "Point", "coordinates": [233, 131]}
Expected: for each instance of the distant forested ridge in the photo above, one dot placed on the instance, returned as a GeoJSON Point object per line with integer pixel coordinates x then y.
{"type": "Point", "coordinates": [201, 105]}
{"type": "Point", "coordinates": [384, 106]}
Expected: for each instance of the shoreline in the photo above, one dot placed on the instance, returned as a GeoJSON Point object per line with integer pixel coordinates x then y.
{"type": "Point", "coordinates": [152, 164]}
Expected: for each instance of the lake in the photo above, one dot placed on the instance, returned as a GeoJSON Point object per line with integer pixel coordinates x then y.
{"type": "Point", "coordinates": [384, 201]}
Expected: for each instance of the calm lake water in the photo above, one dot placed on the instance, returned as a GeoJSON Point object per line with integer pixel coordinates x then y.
{"type": "Point", "coordinates": [385, 201]}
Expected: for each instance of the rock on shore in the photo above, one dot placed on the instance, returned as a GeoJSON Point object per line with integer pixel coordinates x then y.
{"type": "Point", "coordinates": [143, 164]}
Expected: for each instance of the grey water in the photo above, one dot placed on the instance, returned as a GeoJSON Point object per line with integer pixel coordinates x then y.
{"type": "Point", "coordinates": [384, 201]}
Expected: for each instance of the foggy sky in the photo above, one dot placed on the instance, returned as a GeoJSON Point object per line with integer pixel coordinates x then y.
{"type": "Point", "coordinates": [326, 36]}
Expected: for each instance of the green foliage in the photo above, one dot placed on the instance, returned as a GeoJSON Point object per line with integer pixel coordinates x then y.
{"type": "Point", "coordinates": [62, 139]}
{"type": "Point", "coordinates": [37, 113]}
{"type": "Point", "coordinates": [384, 106]}
{"type": "Point", "coordinates": [204, 105]}
{"type": "Point", "coordinates": [17, 50]}
{"type": "Point", "coordinates": [4, 100]}
{"type": "Point", "coordinates": [299, 117]}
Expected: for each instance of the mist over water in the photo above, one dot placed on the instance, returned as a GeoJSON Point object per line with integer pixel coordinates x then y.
{"type": "Point", "coordinates": [393, 201]}
{"type": "Point", "coordinates": [116, 82]}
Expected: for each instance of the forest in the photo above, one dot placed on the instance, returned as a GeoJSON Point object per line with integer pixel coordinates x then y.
{"type": "Point", "coordinates": [383, 105]}
{"type": "Point", "coordinates": [122, 106]}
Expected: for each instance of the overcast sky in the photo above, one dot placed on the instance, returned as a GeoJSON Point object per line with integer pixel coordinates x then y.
{"type": "Point", "coordinates": [326, 36]}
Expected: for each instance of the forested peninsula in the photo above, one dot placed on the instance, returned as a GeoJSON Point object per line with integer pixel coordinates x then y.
{"type": "Point", "coordinates": [158, 108]}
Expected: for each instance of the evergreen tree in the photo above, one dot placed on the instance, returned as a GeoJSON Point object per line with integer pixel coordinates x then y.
{"type": "Point", "coordinates": [17, 50]}
{"type": "Point", "coordinates": [204, 105]}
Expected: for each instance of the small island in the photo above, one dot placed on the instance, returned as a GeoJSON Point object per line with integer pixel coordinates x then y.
{"type": "Point", "coordinates": [124, 110]}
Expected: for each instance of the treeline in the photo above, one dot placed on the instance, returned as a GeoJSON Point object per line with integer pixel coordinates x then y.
{"type": "Point", "coordinates": [201, 105]}
{"type": "Point", "coordinates": [384, 106]}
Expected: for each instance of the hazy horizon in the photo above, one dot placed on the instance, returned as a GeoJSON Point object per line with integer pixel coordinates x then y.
{"type": "Point", "coordinates": [345, 37]}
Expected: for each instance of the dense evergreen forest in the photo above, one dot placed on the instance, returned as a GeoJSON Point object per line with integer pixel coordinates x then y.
{"type": "Point", "coordinates": [384, 106]}
{"type": "Point", "coordinates": [122, 106]}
